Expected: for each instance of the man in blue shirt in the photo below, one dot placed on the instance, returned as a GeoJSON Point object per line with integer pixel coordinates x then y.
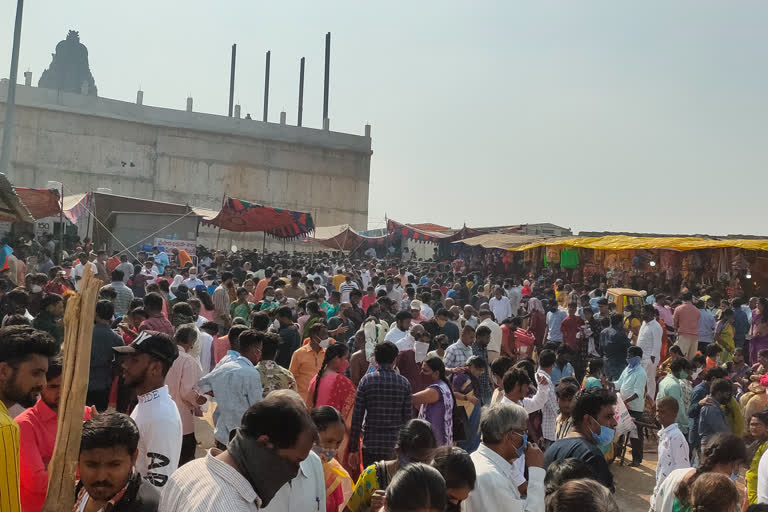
{"type": "Point", "coordinates": [631, 385]}
{"type": "Point", "coordinates": [741, 323]}
{"type": "Point", "coordinates": [161, 259]}
{"type": "Point", "coordinates": [555, 319]}
{"type": "Point", "coordinates": [698, 397]}
{"type": "Point", "coordinates": [712, 418]}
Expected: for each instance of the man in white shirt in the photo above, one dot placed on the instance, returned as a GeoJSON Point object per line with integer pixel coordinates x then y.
{"type": "Point", "coordinates": [494, 347]}
{"type": "Point", "coordinates": [77, 271]}
{"type": "Point", "coordinates": [125, 267]}
{"type": "Point", "coordinates": [515, 295]}
{"type": "Point", "coordinates": [649, 339]}
{"type": "Point", "coordinates": [145, 363]}
{"type": "Point", "coordinates": [401, 327]}
{"type": "Point", "coordinates": [150, 270]}
{"type": "Point", "coordinates": [673, 447]}
{"type": "Point", "coordinates": [193, 281]}
{"type": "Point", "coordinates": [255, 468]}
{"type": "Point", "coordinates": [500, 305]}
{"type": "Point", "coordinates": [504, 429]}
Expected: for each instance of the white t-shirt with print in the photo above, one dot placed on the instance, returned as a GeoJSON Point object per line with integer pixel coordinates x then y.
{"type": "Point", "coordinates": [160, 433]}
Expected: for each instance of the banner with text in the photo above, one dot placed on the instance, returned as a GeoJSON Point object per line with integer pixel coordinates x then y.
{"type": "Point", "coordinates": [169, 245]}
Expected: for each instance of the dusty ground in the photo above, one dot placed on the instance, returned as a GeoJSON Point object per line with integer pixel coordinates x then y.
{"type": "Point", "coordinates": [634, 486]}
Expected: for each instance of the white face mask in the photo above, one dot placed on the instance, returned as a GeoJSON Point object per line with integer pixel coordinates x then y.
{"type": "Point", "coordinates": [36, 288]}
{"type": "Point", "coordinates": [696, 373]}
{"type": "Point", "coordinates": [324, 343]}
{"type": "Point", "coordinates": [208, 282]}
{"type": "Point", "coordinates": [420, 350]}
{"type": "Point", "coordinates": [193, 276]}
{"type": "Point", "coordinates": [269, 298]}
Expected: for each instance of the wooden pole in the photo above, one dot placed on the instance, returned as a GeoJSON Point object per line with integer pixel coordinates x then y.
{"type": "Point", "coordinates": [78, 331]}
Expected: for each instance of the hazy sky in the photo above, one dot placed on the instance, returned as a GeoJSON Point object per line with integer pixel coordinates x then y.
{"type": "Point", "coordinates": [596, 115]}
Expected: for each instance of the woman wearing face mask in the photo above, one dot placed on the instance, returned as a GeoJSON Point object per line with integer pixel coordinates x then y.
{"type": "Point", "coordinates": [725, 454]}
{"type": "Point", "coordinates": [331, 387]}
{"type": "Point", "coordinates": [415, 443]}
{"type": "Point", "coordinates": [593, 424]}
{"type": "Point", "coordinates": [436, 403]}
{"type": "Point", "coordinates": [458, 470]}
{"type": "Point", "coordinates": [331, 431]}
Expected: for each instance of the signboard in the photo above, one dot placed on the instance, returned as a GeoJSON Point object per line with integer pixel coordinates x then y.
{"type": "Point", "coordinates": [169, 245]}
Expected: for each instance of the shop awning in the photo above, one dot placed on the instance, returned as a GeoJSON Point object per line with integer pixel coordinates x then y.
{"type": "Point", "coordinates": [246, 217]}
{"type": "Point", "coordinates": [75, 206]}
{"type": "Point", "coordinates": [620, 242]}
{"type": "Point", "coordinates": [414, 232]}
{"type": "Point", "coordinates": [12, 208]}
{"type": "Point", "coordinates": [506, 241]}
{"type": "Point", "coordinates": [41, 202]}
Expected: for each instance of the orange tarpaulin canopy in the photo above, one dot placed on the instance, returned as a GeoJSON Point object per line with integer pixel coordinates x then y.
{"type": "Point", "coordinates": [41, 202]}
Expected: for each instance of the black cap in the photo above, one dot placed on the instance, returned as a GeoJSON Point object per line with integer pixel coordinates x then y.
{"type": "Point", "coordinates": [156, 344]}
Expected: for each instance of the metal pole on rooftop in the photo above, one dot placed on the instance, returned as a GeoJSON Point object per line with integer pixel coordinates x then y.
{"type": "Point", "coordinates": [232, 80]}
{"type": "Point", "coordinates": [10, 104]}
{"type": "Point", "coordinates": [266, 88]}
{"type": "Point", "coordinates": [301, 91]}
{"type": "Point", "coordinates": [327, 74]}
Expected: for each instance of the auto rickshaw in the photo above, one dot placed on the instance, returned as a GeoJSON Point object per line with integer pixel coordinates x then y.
{"type": "Point", "coordinates": [623, 297]}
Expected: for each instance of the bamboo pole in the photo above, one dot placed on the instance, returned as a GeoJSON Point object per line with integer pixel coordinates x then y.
{"type": "Point", "coordinates": [78, 331]}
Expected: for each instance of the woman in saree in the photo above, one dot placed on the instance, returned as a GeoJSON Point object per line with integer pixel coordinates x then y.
{"type": "Point", "coordinates": [331, 431]}
{"type": "Point", "coordinates": [759, 330]}
{"type": "Point", "coordinates": [537, 320]}
{"type": "Point", "coordinates": [331, 387]}
{"type": "Point", "coordinates": [313, 312]}
{"type": "Point", "coordinates": [724, 335]}
{"type": "Point", "coordinates": [436, 402]}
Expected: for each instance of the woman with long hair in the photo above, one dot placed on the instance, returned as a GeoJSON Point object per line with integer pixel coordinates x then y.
{"type": "Point", "coordinates": [331, 432]}
{"type": "Point", "coordinates": [758, 429]}
{"type": "Point", "coordinates": [456, 467]}
{"type": "Point", "coordinates": [208, 310]}
{"type": "Point", "coordinates": [436, 403]}
{"type": "Point", "coordinates": [725, 454]}
{"type": "Point", "coordinates": [759, 330]}
{"type": "Point", "coordinates": [415, 443]}
{"type": "Point", "coordinates": [331, 387]}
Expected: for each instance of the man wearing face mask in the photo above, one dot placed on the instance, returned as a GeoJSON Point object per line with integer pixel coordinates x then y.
{"type": "Point", "coordinates": [505, 439]}
{"type": "Point", "coordinates": [593, 424]}
{"type": "Point", "coordinates": [631, 385]}
{"type": "Point", "coordinates": [671, 386]}
{"type": "Point", "coordinates": [275, 436]}
{"type": "Point", "coordinates": [712, 418]}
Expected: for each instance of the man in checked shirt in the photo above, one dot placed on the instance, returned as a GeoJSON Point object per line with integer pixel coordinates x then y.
{"type": "Point", "coordinates": [382, 407]}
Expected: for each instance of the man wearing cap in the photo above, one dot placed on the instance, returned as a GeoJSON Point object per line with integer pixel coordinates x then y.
{"type": "Point", "coordinates": [145, 363]}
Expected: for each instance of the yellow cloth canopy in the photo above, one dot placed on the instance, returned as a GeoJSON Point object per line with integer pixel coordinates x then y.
{"type": "Point", "coordinates": [619, 242]}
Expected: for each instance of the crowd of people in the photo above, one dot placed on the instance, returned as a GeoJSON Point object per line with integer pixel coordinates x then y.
{"type": "Point", "coordinates": [379, 385]}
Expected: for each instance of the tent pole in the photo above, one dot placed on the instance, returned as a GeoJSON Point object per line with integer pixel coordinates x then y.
{"type": "Point", "coordinates": [217, 238]}
{"type": "Point", "coordinates": [61, 227]}
{"type": "Point", "coordinates": [314, 238]}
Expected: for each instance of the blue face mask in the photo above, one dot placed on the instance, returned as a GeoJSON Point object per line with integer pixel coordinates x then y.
{"type": "Point", "coordinates": [605, 436]}
{"type": "Point", "coordinates": [634, 361]}
{"type": "Point", "coordinates": [521, 450]}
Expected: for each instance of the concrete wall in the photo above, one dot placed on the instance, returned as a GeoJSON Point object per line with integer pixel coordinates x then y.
{"type": "Point", "coordinates": [188, 158]}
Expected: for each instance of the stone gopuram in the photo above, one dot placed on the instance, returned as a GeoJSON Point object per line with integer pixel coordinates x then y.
{"type": "Point", "coordinates": [69, 70]}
